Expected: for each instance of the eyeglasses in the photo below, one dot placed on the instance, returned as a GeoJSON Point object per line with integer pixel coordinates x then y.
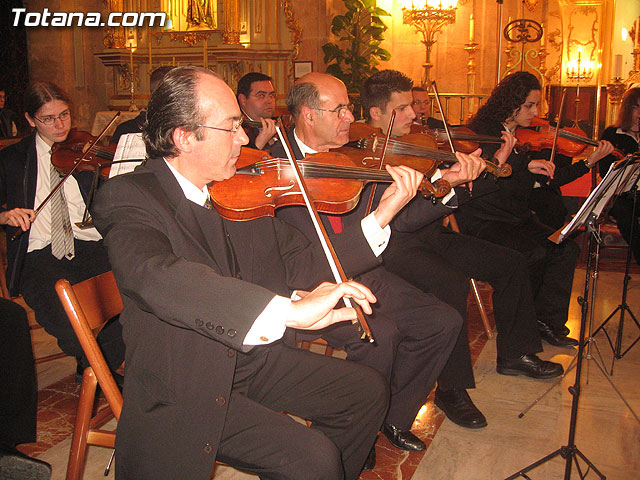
{"type": "Point", "coordinates": [236, 126]}
{"type": "Point", "coordinates": [421, 102]}
{"type": "Point", "coordinates": [50, 119]}
{"type": "Point", "coordinates": [341, 110]}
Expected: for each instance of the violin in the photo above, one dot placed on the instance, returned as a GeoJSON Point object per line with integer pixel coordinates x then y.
{"type": "Point", "coordinates": [464, 139]}
{"type": "Point", "coordinates": [263, 183]}
{"type": "Point", "coordinates": [368, 138]}
{"type": "Point", "coordinates": [65, 155]}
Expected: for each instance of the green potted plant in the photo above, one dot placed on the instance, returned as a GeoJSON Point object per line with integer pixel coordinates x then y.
{"type": "Point", "coordinates": [358, 52]}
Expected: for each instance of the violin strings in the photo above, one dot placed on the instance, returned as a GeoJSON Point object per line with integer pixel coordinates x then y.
{"type": "Point", "coordinates": [330, 171]}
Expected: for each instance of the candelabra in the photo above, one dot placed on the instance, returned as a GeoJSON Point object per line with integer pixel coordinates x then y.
{"type": "Point", "coordinates": [428, 20]}
{"type": "Point", "coordinates": [131, 45]}
{"type": "Point", "coordinates": [577, 71]}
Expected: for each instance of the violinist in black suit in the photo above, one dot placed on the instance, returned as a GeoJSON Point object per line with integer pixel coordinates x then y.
{"type": "Point", "coordinates": [257, 100]}
{"type": "Point", "coordinates": [206, 303]}
{"type": "Point", "coordinates": [52, 245]}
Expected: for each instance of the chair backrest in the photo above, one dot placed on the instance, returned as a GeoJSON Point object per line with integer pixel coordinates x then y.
{"type": "Point", "coordinates": [89, 306]}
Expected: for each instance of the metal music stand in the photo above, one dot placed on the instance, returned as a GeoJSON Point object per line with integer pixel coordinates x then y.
{"type": "Point", "coordinates": [588, 216]}
{"type": "Point", "coordinates": [624, 306]}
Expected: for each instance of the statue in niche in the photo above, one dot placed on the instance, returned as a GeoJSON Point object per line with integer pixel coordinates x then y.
{"type": "Point", "coordinates": [201, 13]}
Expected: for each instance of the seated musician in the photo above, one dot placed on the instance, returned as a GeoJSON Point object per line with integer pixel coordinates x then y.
{"type": "Point", "coordinates": [8, 118]}
{"type": "Point", "coordinates": [421, 105]}
{"type": "Point", "coordinates": [52, 245]}
{"type": "Point", "coordinates": [257, 99]}
{"type": "Point", "coordinates": [503, 217]}
{"type": "Point", "coordinates": [414, 331]}
{"type": "Point", "coordinates": [440, 261]}
{"type": "Point", "coordinates": [624, 136]}
{"type": "Point", "coordinates": [206, 303]}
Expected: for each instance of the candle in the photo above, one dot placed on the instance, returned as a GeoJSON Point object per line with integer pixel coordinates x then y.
{"type": "Point", "coordinates": [542, 37]}
{"type": "Point", "coordinates": [618, 66]}
{"type": "Point", "coordinates": [149, 42]}
{"type": "Point", "coordinates": [471, 28]}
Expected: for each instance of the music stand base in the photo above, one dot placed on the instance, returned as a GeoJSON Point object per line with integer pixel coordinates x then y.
{"type": "Point", "coordinates": [569, 454]}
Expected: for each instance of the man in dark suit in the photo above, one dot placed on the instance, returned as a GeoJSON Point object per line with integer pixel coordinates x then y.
{"type": "Point", "coordinates": [257, 99]}
{"type": "Point", "coordinates": [206, 303]}
{"type": "Point", "coordinates": [415, 331]}
{"type": "Point", "coordinates": [37, 258]}
{"type": "Point", "coordinates": [440, 261]}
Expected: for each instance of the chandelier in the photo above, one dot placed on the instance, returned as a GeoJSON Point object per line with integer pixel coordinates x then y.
{"type": "Point", "coordinates": [428, 18]}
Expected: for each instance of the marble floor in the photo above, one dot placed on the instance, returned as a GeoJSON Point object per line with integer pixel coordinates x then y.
{"type": "Point", "coordinates": [607, 432]}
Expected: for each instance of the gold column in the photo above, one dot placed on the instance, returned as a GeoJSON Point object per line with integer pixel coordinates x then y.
{"type": "Point", "coordinates": [614, 94]}
{"type": "Point", "coordinates": [231, 32]}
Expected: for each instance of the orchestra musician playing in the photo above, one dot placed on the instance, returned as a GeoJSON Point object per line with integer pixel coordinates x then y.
{"type": "Point", "coordinates": [624, 136]}
{"type": "Point", "coordinates": [440, 261]}
{"type": "Point", "coordinates": [257, 100]}
{"type": "Point", "coordinates": [52, 245]}
{"type": "Point", "coordinates": [414, 331]}
{"type": "Point", "coordinates": [421, 105]}
{"type": "Point", "coordinates": [206, 303]}
{"type": "Point", "coordinates": [504, 218]}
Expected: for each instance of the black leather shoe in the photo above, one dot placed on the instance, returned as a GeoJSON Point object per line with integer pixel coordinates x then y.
{"type": "Point", "coordinates": [370, 463]}
{"type": "Point", "coordinates": [530, 365]}
{"type": "Point", "coordinates": [403, 439]}
{"type": "Point", "coordinates": [15, 465]}
{"type": "Point", "coordinates": [458, 407]}
{"type": "Point", "coordinates": [555, 338]}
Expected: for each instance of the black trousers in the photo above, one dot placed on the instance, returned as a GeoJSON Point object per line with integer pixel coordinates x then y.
{"type": "Point", "coordinates": [345, 402]}
{"type": "Point", "coordinates": [37, 285]}
{"type": "Point", "coordinates": [440, 261]}
{"type": "Point", "coordinates": [18, 394]}
{"type": "Point", "coordinates": [551, 266]}
{"type": "Point", "coordinates": [414, 335]}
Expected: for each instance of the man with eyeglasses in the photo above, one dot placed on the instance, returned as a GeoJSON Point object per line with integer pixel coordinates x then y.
{"type": "Point", "coordinates": [414, 331]}
{"type": "Point", "coordinates": [257, 99]}
{"type": "Point", "coordinates": [44, 248]}
{"type": "Point", "coordinates": [206, 302]}
{"type": "Point", "coordinates": [439, 261]}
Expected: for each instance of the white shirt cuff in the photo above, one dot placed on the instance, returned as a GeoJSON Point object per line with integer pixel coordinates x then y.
{"type": "Point", "coordinates": [269, 326]}
{"type": "Point", "coordinates": [377, 237]}
{"type": "Point", "coordinates": [437, 176]}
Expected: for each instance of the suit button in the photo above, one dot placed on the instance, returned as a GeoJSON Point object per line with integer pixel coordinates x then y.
{"type": "Point", "coordinates": [219, 330]}
{"type": "Point", "coordinates": [231, 353]}
{"type": "Point", "coordinates": [199, 322]}
{"type": "Point", "coordinates": [220, 401]}
{"type": "Point", "coordinates": [209, 325]}
{"type": "Point", "coordinates": [208, 448]}
{"type": "Point", "coordinates": [231, 332]}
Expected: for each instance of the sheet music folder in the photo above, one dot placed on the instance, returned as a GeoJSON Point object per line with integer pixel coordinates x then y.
{"type": "Point", "coordinates": [620, 178]}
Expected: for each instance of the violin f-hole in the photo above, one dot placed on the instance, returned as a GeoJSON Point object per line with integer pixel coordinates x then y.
{"type": "Point", "coordinates": [268, 191]}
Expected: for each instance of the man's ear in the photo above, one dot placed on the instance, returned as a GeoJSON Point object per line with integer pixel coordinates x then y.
{"type": "Point", "coordinates": [30, 120]}
{"type": "Point", "coordinates": [242, 100]}
{"type": "Point", "coordinates": [308, 115]}
{"type": "Point", "coordinates": [184, 139]}
{"type": "Point", "coordinates": [375, 113]}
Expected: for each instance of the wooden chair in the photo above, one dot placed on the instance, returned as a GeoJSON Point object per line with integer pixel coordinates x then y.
{"type": "Point", "coordinates": [451, 221]}
{"type": "Point", "coordinates": [89, 305]}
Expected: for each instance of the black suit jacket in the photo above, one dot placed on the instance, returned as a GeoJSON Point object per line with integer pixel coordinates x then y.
{"type": "Point", "coordinates": [185, 316]}
{"type": "Point", "coordinates": [18, 180]}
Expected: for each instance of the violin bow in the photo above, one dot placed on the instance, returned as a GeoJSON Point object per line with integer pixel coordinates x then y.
{"type": "Point", "coordinates": [557, 132]}
{"type": "Point", "coordinates": [37, 211]}
{"type": "Point", "coordinates": [332, 257]}
{"type": "Point", "coordinates": [384, 151]}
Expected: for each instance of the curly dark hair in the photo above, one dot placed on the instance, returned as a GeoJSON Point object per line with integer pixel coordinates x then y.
{"type": "Point", "coordinates": [506, 98]}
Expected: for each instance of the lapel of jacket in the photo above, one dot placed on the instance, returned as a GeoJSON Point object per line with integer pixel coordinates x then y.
{"type": "Point", "coordinates": [193, 225]}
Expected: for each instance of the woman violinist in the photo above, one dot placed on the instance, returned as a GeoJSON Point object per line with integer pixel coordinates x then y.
{"type": "Point", "coordinates": [624, 136]}
{"type": "Point", "coordinates": [503, 217]}
{"type": "Point", "coordinates": [45, 253]}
